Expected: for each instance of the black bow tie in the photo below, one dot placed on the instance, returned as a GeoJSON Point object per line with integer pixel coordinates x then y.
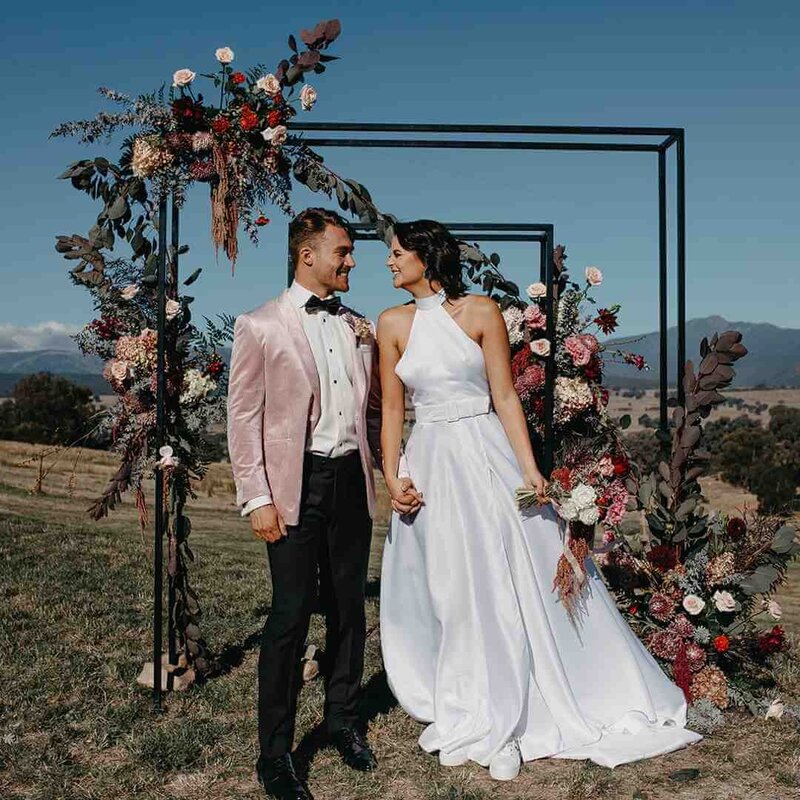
{"type": "Point", "coordinates": [315, 304]}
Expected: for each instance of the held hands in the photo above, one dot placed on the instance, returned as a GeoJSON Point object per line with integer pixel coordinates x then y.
{"type": "Point", "coordinates": [404, 495]}
{"type": "Point", "coordinates": [267, 523]}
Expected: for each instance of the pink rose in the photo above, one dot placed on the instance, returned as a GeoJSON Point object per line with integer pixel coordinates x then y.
{"type": "Point", "coordinates": [577, 350]}
{"type": "Point", "coordinates": [130, 291]}
{"type": "Point", "coordinates": [605, 466]}
{"type": "Point", "coordinates": [119, 370]}
{"type": "Point", "coordinates": [536, 290]}
{"type": "Point", "coordinates": [308, 96]}
{"type": "Point", "coordinates": [535, 317]}
{"type": "Point", "coordinates": [269, 84]}
{"type": "Point", "coordinates": [541, 347]}
{"type": "Point", "coordinates": [182, 77]}
{"type": "Point", "coordinates": [593, 276]}
{"type": "Point", "coordinates": [224, 55]}
{"type": "Point", "coordinates": [275, 136]}
{"type": "Point", "coordinates": [590, 342]}
{"type": "Point", "coordinates": [173, 308]}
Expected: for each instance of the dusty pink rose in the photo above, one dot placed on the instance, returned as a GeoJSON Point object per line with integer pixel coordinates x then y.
{"type": "Point", "coordinates": [308, 96]}
{"type": "Point", "coordinates": [774, 609]}
{"type": "Point", "coordinates": [275, 136]}
{"type": "Point", "coordinates": [130, 291]}
{"type": "Point", "coordinates": [269, 84]}
{"type": "Point", "coordinates": [536, 290]}
{"type": "Point", "coordinates": [167, 457]}
{"type": "Point", "coordinates": [119, 370]}
{"type": "Point", "coordinates": [590, 342]}
{"type": "Point", "coordinates": [605, 466]}
{"type": "Point", "coordinates": [182, 77]}
{"type": "Point", "coordinates": [577, 350]}
{"type": "Point", "coordinates": [593, 276]}
{"type": "Point", "coordinates": [541, 347]}
{"type": "Point", "coordinates": [173, 308]}
{"type": "Point", "coordinates": [535, 318]}
{"type": "Point", "coordinates": [224, 55]}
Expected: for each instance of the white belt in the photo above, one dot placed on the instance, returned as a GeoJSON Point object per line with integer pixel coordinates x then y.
{"type": "Point", "coordinates": [454, 410]}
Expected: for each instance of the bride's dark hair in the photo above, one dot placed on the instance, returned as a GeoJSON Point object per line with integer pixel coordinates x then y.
{"type": "Point", "coordinates": [437, 250]}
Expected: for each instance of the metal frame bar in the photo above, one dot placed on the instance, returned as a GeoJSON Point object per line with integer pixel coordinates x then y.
{"type": "Point", "coordinates": [665, 139]}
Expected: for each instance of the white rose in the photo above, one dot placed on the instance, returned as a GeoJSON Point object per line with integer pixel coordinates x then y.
{"type": "Point", "coordinates": [269, 84]}
{"type": "Point", "coordinates": [775, 710]}
{"type": "Point", "coordinates": [589, 515]}
{"type": "Point", "coordinates": [224, 55]}
{"type": "Point", "coordinates": [275, 136]}
{"type": "Point", "coordinates": [541, 347]}
{"type": "Point", "coordinates": [536, 290]}
{"type": "Point", "coordinates": [724, 601]}
{"type": "Point", "coordinates": [569, 510]}
{"type": "Point", "coordinates": [173, 308]}
{"type": "Point", "coordinates": [167, 458]}
{"type": "Point", "coordinates": [119, 370]}
{"type": "Point", "coordinates": [593, 276]}
{"type": "Point", "coordinates": [774, 609]}
{"type": "Point", "coordinates": [308, 96]}
{"type": "Point", "coordinates": [183, 77]}
{"type": "Point", "coordinates": [693, 604]}
{"type": "Point", "coordinates": [130, 291]}
{"type": "Point", "coordinates": [583, 496]}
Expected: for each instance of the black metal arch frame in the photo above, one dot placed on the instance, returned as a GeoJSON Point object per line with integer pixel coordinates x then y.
{"type": "Point", "coordinates": [540, 233]}
{"type": "Point", "coordinates": [621, 139]}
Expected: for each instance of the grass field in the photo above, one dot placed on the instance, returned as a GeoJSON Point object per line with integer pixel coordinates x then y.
{"type": "Point", "coordinates": [74, 634]}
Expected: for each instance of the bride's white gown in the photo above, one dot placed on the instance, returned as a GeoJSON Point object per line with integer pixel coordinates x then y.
{"type": "Point", "coordinates": [474, 640]}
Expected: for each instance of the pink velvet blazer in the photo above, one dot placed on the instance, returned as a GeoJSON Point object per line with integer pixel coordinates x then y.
{"type": "Point", "coordinates": [274, 405]}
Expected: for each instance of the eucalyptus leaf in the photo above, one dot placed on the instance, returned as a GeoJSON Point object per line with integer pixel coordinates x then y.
{"type": "Point", "coordinates": [193, 277]}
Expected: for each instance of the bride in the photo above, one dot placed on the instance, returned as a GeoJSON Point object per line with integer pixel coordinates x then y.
{"type": "Point", "coordinates": [474, 641]}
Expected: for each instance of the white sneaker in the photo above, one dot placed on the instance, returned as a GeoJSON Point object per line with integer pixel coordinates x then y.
{"type": "Point", "coordinates": [505, 765]}
{"type": "Point", "coordinates": [451, 759]}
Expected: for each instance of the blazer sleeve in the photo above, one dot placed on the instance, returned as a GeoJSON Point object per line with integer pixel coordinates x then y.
{"type": "Point", "coordinates": [246, 398]}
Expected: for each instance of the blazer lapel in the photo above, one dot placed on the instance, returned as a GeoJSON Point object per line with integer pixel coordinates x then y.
{"type": "Point", "coordinates": [298, 337]}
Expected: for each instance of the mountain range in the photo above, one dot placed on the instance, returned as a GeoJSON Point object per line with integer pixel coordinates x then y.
{"type": "Point", "coordinates": [773, 359]}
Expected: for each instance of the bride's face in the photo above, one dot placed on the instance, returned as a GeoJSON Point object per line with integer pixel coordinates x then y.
{"type": "Point", "coordinates": [405, 266]}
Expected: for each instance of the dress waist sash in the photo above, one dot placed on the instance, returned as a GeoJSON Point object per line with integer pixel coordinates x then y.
{"type": "Point", "coordinates": [454, 410]}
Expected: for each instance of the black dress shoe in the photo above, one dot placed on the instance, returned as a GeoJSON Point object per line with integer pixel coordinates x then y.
{"type": "Point", "coordinates": [354, 750]}
{"type": "Point", "coordinates": [279, 779]}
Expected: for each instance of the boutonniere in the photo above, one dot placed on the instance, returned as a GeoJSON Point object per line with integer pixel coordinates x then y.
{"type": "Point", "coordinates": [361, 327]}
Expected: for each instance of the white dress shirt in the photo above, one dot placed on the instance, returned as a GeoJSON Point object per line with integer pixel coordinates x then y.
{"type": "Point", "coordinates": [331, 344]}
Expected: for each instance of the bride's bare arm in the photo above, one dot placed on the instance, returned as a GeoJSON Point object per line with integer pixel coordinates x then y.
{"type": "Point", "coordinates": [497, 355]}
{"type": "Point", "coordinates": [390, 324]}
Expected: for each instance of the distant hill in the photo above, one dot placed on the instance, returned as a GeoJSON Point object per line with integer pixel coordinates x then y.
{"type": "Point", "coordinates": [773, 358]}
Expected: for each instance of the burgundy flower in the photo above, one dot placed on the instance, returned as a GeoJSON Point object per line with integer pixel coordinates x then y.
{"type": "Point", "coordinates": [772, 642]}
{"type": "Point", "coordinates": [661, 606]}
{"type": "Point", "coordinates": [662, 557]}
{"type": "Point", "coordinates": [736, 527]}
{"type": "Point", "coordinates": [606, 320]}
{"type": "Point", "coordinates": [696, 656]}
{"type": "Point", "coordinates": [202, 170]}
{"type": "Point", "coordinates": [681, 626]}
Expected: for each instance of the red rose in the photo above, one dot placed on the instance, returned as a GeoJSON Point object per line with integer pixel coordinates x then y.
{"type": "Point", "coordinates": [238, 77]}
{"type": "Point", "coordinates": [248, 119]}
{"type": "Point", "coordinates": [633, 609]}
{"type": "Point", "coordinates": [274, 118]}
{"type": "Point", "coordinates": [220, 125]}
{"type": "Point", "coordinates": [262, 220]}
{"type": "Point", "coordinates": [621, 465]}
{"type": "Point", "coordinates": [722, 643]}
{"type": "Point", "coordinates": [736, 527]}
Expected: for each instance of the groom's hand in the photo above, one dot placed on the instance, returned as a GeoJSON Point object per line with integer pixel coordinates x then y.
{"type": "Point", "coordinates": [267, 523]}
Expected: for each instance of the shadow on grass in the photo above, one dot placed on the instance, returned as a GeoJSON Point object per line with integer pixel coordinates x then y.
{"type": "Point", "coordinates": [376, 698]}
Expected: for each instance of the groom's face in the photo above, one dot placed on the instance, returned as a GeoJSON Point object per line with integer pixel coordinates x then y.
{"type": "Point", "coordinates": [330, 259]}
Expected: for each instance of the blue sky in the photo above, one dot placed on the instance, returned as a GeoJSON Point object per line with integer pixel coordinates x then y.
{"type": "Point", "coordinates": [726, 71]}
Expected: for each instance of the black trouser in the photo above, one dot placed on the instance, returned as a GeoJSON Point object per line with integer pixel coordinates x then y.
{"type": "Point", "coordinates": [333, 536]}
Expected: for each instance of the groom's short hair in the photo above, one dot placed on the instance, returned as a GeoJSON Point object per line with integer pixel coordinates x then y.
{"type": "Point", "coordinates": [310, 224]}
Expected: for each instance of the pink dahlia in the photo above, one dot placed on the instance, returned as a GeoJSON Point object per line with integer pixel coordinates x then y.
{"type": "Point", "coordinates": [661, 606]}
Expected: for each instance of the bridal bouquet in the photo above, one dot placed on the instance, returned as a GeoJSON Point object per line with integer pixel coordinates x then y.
{"type": "Point", "coordinates": [592, 482]}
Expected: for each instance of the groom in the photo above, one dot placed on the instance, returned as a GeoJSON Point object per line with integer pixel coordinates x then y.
{"type": "Point", "coordinates": [303, 430]}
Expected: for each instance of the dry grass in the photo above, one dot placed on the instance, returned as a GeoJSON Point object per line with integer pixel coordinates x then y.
{"type": "Point", "coordinates": [74, 633]}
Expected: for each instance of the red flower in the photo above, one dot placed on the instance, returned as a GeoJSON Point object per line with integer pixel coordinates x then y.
{"type": "Point", "coordinates": [621, 465]}
{"type": "Point", "coordinates": [520, 362]}
{"type": "Point", "coordinates": [215, 367]}
{"type": "Point", "coordinates": [248, 119]}
{"type": "Point", "coordinates": [606, 320]}
{"type": "Point", "coordinates": [274, 118]}
{"type": "Point", "coordinates": [262, 220]}
{"type": "Point", "coordinates": [563, 476]}
{"type": "Point", "coordinates": [238, 77]}
{"type": "Point", "coordinates": [772, 642]}
{"type": "Point", "coordinates": [682, 673]}
{"type": "Point", "coordinates": [637, 360]}
{"type": "Point", "coordinates": [633, 609]}
{"type": "Point", "coordinates": [220, 125]}
{"type": "Point", "coordinates": [722, 643]}
{"type": "Point", "coordinates": [594, 369]}
{"type": "Point", "coordinates": [736, 527]}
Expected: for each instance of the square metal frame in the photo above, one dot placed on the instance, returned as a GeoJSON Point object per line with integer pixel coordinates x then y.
{"type": "Point", "coordinates": [658, 140]}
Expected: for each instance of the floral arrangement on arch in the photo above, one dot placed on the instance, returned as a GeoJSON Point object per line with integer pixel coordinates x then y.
{"type": "Point", "coordinates": [236, 142]}
{"type": "Point", "coordinates": [591, 483]}
{"type": "Point", "coordinates": [698, 612]}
